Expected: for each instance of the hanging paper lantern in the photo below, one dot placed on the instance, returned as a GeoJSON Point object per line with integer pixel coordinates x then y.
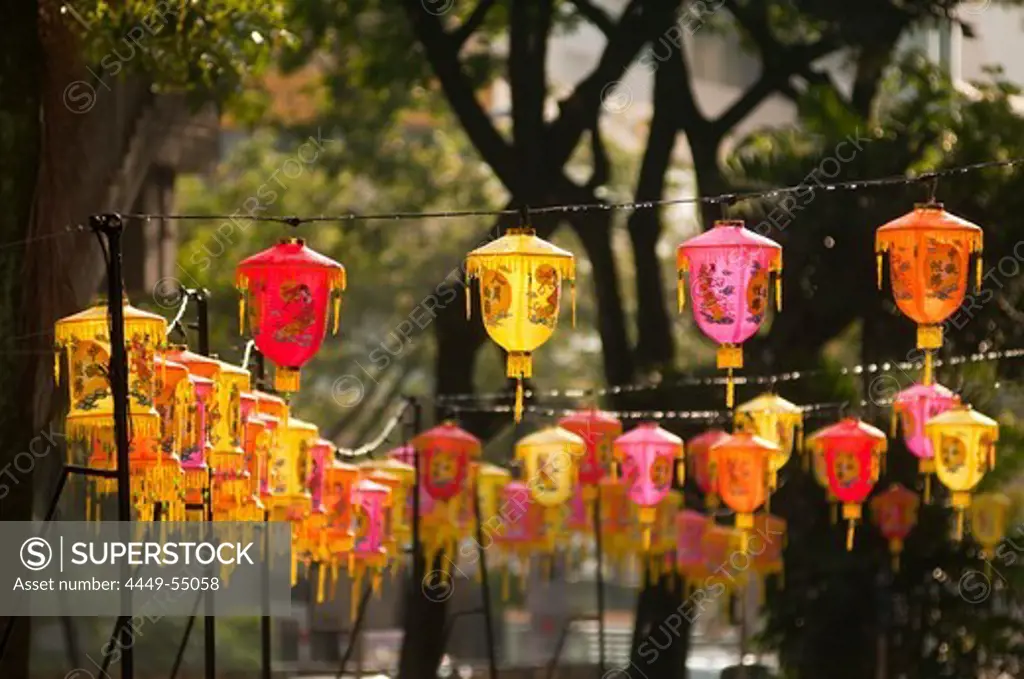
{"type": "Point", "coordinates": [648, 454]}
{"type": "Point", "coordinates": [989, 515]}
{"type": "Point", "coordinates": [273, 412]}
{"type": "Point", "coordinates": [617, 519]}
{"type": "Point", "coordinates": [719, 545]}
{"type": "Point", "coordinates": [895, 514]}
{"type": "Point", "coordinates": [400, 478]}
{"type": "Point", "coordinates": [288, 289]}
{"type": "Point", "coordinates": [321, 454]}
{"type": "Point", "coordinates": [929, 257]}
{"type": "Point", "coordinates": [521, 279]}
{"type": "Point", "coordinates": [548, 458]}
{"type": "Point", "coordinates": [704, 465]}
{"type": "Point", "coordinates": [820, 471]}
{"type": "Point", "coordinates": [289, 498]}
{"type": "Point", "coordinates": [227, 457]}
{"type": "Point", "coordinates": [256, 444]}
{"type": "Point", "coordinates": [599, 431]}
{"type": "Point", "coordinates": [370, 502]}
{"type": "Point", "coordinates": [445, 453]}
{"type": "Point", "coordinates": [522, 530]}
{"type": "Point", "coordinates": [774, 419]}
{"type": "Point", "coordinates": [853, 451]}
{"type": "Point", "coordinates": [730, 274]}
{"type": "Point", "coordinates": [195, 456]}
{"type": "Point", "coordinates": [768, 560]}
{"type": "Point", "coordinates": [490, 480]}
{"type": "Point", "coordinates": [336, 542]}
{"type": "Point", "coordinates": [965, 448]}
{"type": "Point", "coordinates": [174, 397]}
{"type": "Point", "coordinates": [661, 556]}
{"type": "Point", "coordinates": [913, 407]}
{"type": "Point", "coordinates": [690, 529]}
{"type": "Point", "coordinates": [743, 463]}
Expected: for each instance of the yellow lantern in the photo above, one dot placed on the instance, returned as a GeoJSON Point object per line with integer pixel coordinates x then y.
{"type": "Point", "coordinates": [490, 479]}
{"type": "Point", "coordinates": [989, 515]}
{"type": "Point", "coordinates": [400, 478]}
{"type": "Point", "coordinates": [339, 481]}
{"type": "Point", "coordinates": [174, 397]}
{"type": "Point", "coordinates": [227, 456]}
{"type": "Point", "coordinates": [661, 557]}
{"type": "Point", "coordinates": [964, 444]}
{"type": "Point", "coordinates": [549, 464]}
{"type": "Point", "coordinates": [290, 499]}
{"type": "Point", "coordinates": [521, 279]}
{"type": "Point", "coordinates": [775, 419]}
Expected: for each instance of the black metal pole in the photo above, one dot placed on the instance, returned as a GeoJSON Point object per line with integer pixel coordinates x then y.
{"type": "Point", "coordinates": [112, 227]}
{"type": "Point", "coordinates": [265, 655]}
{"type": "Point", "coordinates": [356, 627]}
{"type": "Point", "coordinates": [600, 582]}
{"type": "Point", "coordinates": [417, 417]}
{"type": "Point", "coordinates": [209, 622]}
{"type": "Point", "coordinates": [485, 588]}
{"type": "Point", "coordinates": [202, 298]}
{"type": "Point", "coordinates": [180, 655]}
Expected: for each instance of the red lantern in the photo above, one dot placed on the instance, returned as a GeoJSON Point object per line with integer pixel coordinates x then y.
{"type": "Point", "coordinates": [445, 452]}
{"type": "Point", "coordinates": [853, 451]}
{"type": "Point", "coordinates": [598, 430]}
{"type": "Point", "coordinates": [743, 465]}
{"type": "Point", "coordinates": [288, 289]}
{"type": "Point", "coordinates": [704, 465]}
{"type": "Point", "coordinates": [895, 513]}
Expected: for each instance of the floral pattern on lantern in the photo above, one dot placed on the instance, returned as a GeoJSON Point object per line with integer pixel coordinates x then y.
{"type": "Point", "coordinates": [743, 463]}
{"type": "Point", "coordinates": [599, 431]}
{"type": "Point", "coordinates": [914, 406]}
{"type": "Point", "coordinates": [964, 442]}
{"type": "Point", "coordinates": [704, 465]}
{"type": "Point", "coordinates": [549, 459]}
{"type": "Point", "coordinates": [339, 480]}
{"type": "Point", "coordinates": [256, 447]}
{"type": "Point", "coordinates": [648, 454]}
{"type": "Point", "coordinates": [730, 269]}
{"type": "Point", "coordinates": [288, 289]}
{"type": "Point", "coordinates": [895, 513]}
{"type": "Point", "coordinates": [852, 452]}
{"type": "Point", "coordinates": [774, 419]}
{"type": "Point", "coordinates": [929, 258]}
{"type": "Point", "coordinates": [989, 514]}
{"type": "Point", "coordinates": [521, 279]}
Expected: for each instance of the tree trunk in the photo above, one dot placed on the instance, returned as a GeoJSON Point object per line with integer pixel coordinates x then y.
{"type": "Point", "coordinates": [20, 139]}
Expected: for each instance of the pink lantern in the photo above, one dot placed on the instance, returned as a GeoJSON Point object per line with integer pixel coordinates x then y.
{"type": "Point", "coordinates": [730, 274]}
{"type": "Point", "coordinates": [321, 455]}
{"type": "Point", "coordinates": [369, 507]}
{"type": "Point", "coordinates": [647, 454]}
{"type": "Point", "coordinates": [195, 455]}
{"type": "Point", "coordinates": [578, 519]}
{"type": "Point", "coordinates": [914, 406]}
{"type": "Point", "coordinates": [405, 454]}
{"type": "Point", "coordinates": [690, 529]}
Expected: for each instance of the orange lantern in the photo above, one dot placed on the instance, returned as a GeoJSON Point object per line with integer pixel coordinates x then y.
{"type": "Point", "coordinates": [743, 463]}
{"type": "Point", "coordinates": [929, 257]}
{"type": "Point", "coordinates": [895, 514]}
{"type": "Point", "coordinates": [339, 481]}
{"type": "Point", "coordinates": [704, 465]}
{"type": "Point", "coordinates": [617, 514]}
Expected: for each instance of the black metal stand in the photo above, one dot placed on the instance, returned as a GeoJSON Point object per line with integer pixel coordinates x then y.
{"type": "Point", "coordinates": [265, 633]}
{"type": "Point", "coordinates": [560, 644]}
{"type": "Point", "coordinates": [356, 629]}
{"type": "Point", "coordinates": [485, 588]}
{"type": "Point", "coordinates": [600, 582]}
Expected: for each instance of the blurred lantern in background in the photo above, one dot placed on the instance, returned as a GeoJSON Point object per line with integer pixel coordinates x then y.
{"type": "Point", "coordinates": [273, 412]}
{"type": "Point", "coordinates": [661, 557]}
{"type": "Point", "coordinates": [394, 484]}
{"type": "Point", "coordinates": [617, 520]}
{"type": "Point", "coordinates": [370, 502]}
{"type": "Point", "coordinates": [490, 479]}
{"type": "Point", "coordinates": [445, 453]}
{"type": "Point", "coordinates": [174, 397]}
{"type": "Point", "coordinates": [895, 514]}
{"type": "Point", "coordinates": [522, 532]}
{"type": "Point", "coordinates": [549, 459]}
{"type": "Point", "coordinates": [89, 426]}
{"type": "Point", "coordinates": [730, 271]}
{"type": "Point", "coordinates": [288, 289]}
{"type": "Point", "coordinates": [256, 444]}
{"type": "Point", "coordinates": [648, 454]}
{"type": "Point", "coordinates": [743, 461]}
{"type": "Point", "coordinates": [990, 513]}
{"type": "Point", "coordinates": [703, 464]}
{"type": "Point", "coordinates": [768, 561]}
{"type": "Point", "coordinates": [599, 431]}
{"type": "Point", "coordinates": [402, 479]}
{"type": "Point", "coordinates": [720, 544]}
{"type": "Point", "coordinates": [289, 498]}
{"type": "Point", "coordinates": [690, 529]}
{"type": "Point", "coordinates": [339, 481]}
{"type": "Point", "coordinates": [224, 421]}
{"type": "Point", "coordinates": [521, 279]}
{"type": "Point", "coordinates": [964, 442]}
{"type": "Point", "coordinates": [321, 454]}
{"type": "Point", "coordinates": [774, 419]}
{"type": "Point", "coordinates": [852, 450]}
{"type": "Point", "coordinates": [912, 407]}
{"type": "Point", "coordinates": [929, 258]}
{"type": "Point", "coordinates": [819, 468]}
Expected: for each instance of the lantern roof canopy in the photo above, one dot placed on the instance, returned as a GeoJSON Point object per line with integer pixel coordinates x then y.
{"type": "Point", "coordinates": [338, 465]}
{"type": "Point", "coordinates": [232, 369]}
{"type": "Point", "coordinates": [845, 429]}
{"type": "Point", "coordinates": [94, 323]}
{"type": "Point", "coordinates": [591, 420]}
{"type": "Point", "coordinates": [516, 244]}
{"type": "Point", "coordinates": [648, 433]}
{"type": "Point", "coordinates": [962, 416]}
{"type": "Point", "coordinates": [324, 443]}
{"type": "Point", "coordinates": [896, 491]}
{"type": "Point", "coordinates": [745, 439]}
{"type": "Point", "coordinates": [404, 453]}
{"type": "Point", "coordinates": [927, 219]}
{"type": "Point", "coordinates": [705, 440]}
{"type": "Point", "coordinates": [450, 432]}
{"type": "Point", "coordinates": [727, 234]}
{"type": "Point", "coordinates": [919, 392]}
{"type": "Point", "coordinates": [295, 423]}
{"type": "Point", "coordinates": [382, 477]}
{"type": "Point", "coordinates": [293, 255]}
{"type": "Point", "coordinates": [368, 486]}
{"type": "Point", "coordinates": [399, 470]}
{"type": "Point", "coordinates": [170, 366]}
{"type": "Point", "coordinates": [493, 470]}
{"type": "Point", "coordinates": [769, 403]}
{"type": "Point", "coordinates": [200, 381]}
{"type": "Point", "coordinates": [180, 354]}
{"type": "Point", "coordinates": [552, 436]}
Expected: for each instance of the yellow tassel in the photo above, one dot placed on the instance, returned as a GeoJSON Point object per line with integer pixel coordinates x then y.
{"type": "Point", "coordinates": [800, 437]}
{"type": "Point", "coordinates": [519, 399]}
{"type": "Point", "coordinates": [778, 291]}
{"type": "Point", "coordinates": [295, 570]}
{"type": "Point", "coordinates": [321, 573]}
{"type": "Point", "coordinates": [730, 390]}
{"type": "Point", "coordinates": [849, 535]}
{"type": "Point", "coordinates": [56, 367]}
{"type": "Point", "coordinates": [959, 525]}
{"type": "Point", "coordinates": [927, 489]}
{"type": "Point", "coordinates": [572, 292]}
{"type": "Point", "coordinates": [337, 312]}
{"type": "Point", "coordinates": [681, 292]}
{"type": "Point", "coordinates": [878, 260]}
{"type": "Point", "coordinates": [927, 367]}
{"type": "Point", "coordinates": [241, 314]}
{"type": "Point", "coordinates": [469, 298]}
{"type": "Point", "coordinates": [977, 273]}
{"type": "Point", "coordinates": [991, 457]}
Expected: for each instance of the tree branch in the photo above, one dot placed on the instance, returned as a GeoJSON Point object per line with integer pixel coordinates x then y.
{"type": "Point", "coordinates": [461, 34]}
{"type": "Point", "coordinates": [595, 15]}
